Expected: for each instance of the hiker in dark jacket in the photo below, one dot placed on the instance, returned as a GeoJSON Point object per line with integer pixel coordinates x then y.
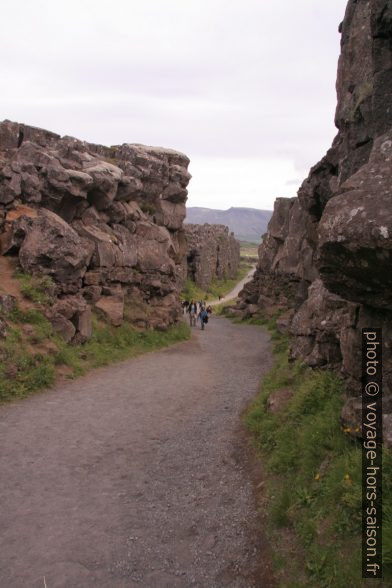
{"type": "Point", "coordinates": [203, 317]}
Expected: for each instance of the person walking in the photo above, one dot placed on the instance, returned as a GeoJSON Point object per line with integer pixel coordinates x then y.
{"type": "Point", "coordinates": [192, 309]}
{"type": "Point", "coordinates": [203, 317]}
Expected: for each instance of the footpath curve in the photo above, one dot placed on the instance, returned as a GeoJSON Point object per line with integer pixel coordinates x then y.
{"type": "Point", "coordinates": [236, 290]}
{"type": "Point", "coordinates": [131, 476]}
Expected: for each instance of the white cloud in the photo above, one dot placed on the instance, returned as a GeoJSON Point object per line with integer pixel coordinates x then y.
{"type": "Point", "coordinates": [245, 181]}
{"type": "Point", "coordinates": [222, 79]}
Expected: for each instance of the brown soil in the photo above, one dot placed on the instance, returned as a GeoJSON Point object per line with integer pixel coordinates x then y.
{"type": "Point", "coordinates": [8, 283]}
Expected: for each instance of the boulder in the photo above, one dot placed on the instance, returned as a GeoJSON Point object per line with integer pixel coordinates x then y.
{"type": "Point", "coordinates": [83, 325]}
{"type": "Point", "coordinates": [111, 308]}
{"type": "Point", "coordinates": [63, 327]}
{"type": "Point", "coordinates": [18, 222]}
{"type": "Point", "coordinates": [52, 247]}
{"type": "Point", "coordinates": [106, 178]}
{"type": "Point", "coordinates": [129, 188]}
{"type": "Point", "coordinates": [355, 233]}
{"type": "Point", "coordinates": [69, 181]}
{"type": "Point", "coordinates": [171, 214]}
{"type": "Point", "coordinates": [92, 293]}
{"type": "Point", "coordinates": [71, 310]}
{"type": "Point", "coordinates": [317, 326]}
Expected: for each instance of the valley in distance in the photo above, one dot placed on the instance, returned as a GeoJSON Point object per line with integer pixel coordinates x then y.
{"type": "Point", "coordinates": [247, 224]}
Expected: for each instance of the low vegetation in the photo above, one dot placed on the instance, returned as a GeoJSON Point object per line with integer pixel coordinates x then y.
{"type": "Point", "coordinates": [221, 309]}
{"type": "Point", "coordinates": [217, 288]}
{"type": "Point", "coordinates": [312, 489]}
{"type": "Point", "coordinates": [249, 250]}
{"type": "Point", "coordinates": [32, 356]}
{"type": "Point", "coordinates": [38, 289]}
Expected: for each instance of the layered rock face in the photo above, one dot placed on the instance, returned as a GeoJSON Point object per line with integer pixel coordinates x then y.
{"type": "Point", "coordinates": [105, 223]}
{"type": "Point", "coordinates": [212, 253]}
{"type": "Point", "coordinates": [327, 255]}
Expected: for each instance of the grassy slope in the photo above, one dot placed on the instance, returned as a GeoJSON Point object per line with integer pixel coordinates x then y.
{"type": "Point", "coordinates": [33, 356]}
{"type": "Point", "coordinates": [249, 249]}
{"type": "Point", "coordinates": [313, 492]}
{"type": "Point", "coordinates": [217, 287]}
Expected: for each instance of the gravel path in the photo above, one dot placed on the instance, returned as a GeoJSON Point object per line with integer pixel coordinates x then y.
{"type": "Point", "coordinates": [236, 290]}
{"type": "Point", "coordinates": [134, 474]}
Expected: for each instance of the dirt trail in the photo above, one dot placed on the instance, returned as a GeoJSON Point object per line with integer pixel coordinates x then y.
{"type": "Point", "coordinates": [236, 290]}
{"type": "Point", "coordinates": [132, 476]}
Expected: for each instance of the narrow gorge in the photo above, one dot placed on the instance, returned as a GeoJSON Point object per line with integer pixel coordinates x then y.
{"type": "Point", "coordinates": [326, 259]}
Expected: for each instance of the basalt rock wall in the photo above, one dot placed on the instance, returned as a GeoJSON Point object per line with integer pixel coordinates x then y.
{"type": "Point", "coordinates": [327, 256]}
{"type": "Point", "coordinates": [105, 223]}
{"type": "Point", "coordinates": [212, 253]}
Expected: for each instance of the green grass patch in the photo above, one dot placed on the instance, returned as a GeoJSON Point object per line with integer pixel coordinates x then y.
{"type": "Point", "coordinates": [250, 250]}
{"type": "Point", "coordinates": [22, 370]}
{"type": "Point", "coordinates": [32, 355]}
{"type": "Point", "coordinates": [217, 288]}
{"type": "Point", "coordinates": [221, 309]}
{"type": "Point", "coordinates": [313, 476]}
{"type": "Point", "coordinates": [38, 289]}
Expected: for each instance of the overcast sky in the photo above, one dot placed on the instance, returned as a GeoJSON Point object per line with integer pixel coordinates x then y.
{"type": "Point", "coordinates": [246, 88]}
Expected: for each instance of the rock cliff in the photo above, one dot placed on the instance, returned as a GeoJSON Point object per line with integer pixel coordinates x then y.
{"type": "Point", "coordinates": [105, 223]}
{"type": "Point", "coordinates": [212, 253]}
{"type": "Point", "coordinates": [327, 254]}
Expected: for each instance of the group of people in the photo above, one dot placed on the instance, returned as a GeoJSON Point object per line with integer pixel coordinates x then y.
{"type": "Point", "coordinates": [197, 311]}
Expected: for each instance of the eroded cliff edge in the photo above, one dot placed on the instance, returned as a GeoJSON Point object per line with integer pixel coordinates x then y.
{"type": "Point", "coordinates": [105, 223]}
{"type": "Point", "coordinates": [327, 254]}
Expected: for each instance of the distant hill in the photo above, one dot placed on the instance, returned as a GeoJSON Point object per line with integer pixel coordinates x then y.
{"type": "Point", "coordinates": [248, 224]}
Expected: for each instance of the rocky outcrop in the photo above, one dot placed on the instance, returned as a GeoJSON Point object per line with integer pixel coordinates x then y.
{"type": "Point", "coordinates": [212, 253]}
{"type": "Point", "coordinates": [105, 223]}
{"type": "Point", "coordinates": [327, 255]}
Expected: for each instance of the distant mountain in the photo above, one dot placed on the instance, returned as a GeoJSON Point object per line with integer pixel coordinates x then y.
{"type": "Point", "coordinates": [248, 224]}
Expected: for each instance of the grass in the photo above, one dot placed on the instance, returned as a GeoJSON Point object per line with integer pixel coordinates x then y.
{"type": "Point", "coordinates": [313, 477]}
{"type": "Point", "coordinates": [38, 289]}
{"type": "Point", "coordinates": [217, 288]}
{"type": "Point", "coordinates": [221, 309]}
{"type": "Point", "coordinates": [249, 249]}
{"type": "Point", "coordinates": [32, 355]}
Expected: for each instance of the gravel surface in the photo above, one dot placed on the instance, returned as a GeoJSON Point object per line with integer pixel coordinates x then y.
{"type": "Point", "coordinates": [136, 475]}
{"type": "Point", "coordinates": [236, 290]}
